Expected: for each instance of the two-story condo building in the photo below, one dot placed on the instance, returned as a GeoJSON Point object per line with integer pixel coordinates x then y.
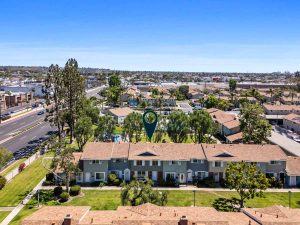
{"type": "Point", "coordinates": [160, 161]}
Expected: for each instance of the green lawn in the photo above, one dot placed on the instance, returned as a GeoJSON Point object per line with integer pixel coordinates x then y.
{"type": "Point", "coordinates": [110, 200]}
{"type": "Point", "coordinates": [23, 183]}
{"type": "Point", "coordinates": [3, 214]}
{"type": "Point", "coordinates": [13, 166]}
{"type": "Point", "coordinates": [26, 211]}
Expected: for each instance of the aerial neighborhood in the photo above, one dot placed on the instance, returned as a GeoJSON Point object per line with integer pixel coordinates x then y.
{"type": "Point", "coordinates": [149, 112]}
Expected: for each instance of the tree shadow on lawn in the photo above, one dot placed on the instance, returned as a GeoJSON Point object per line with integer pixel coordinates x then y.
{"type": "Point", "coordinates": [226, 205]}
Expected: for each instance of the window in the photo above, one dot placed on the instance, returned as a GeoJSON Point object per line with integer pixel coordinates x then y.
{"type": "Point", "coordinates": [200, 174]}
{"type": "Point", "coordinates": [99, 176]}
{"type": "Point", "coordinates": [194, 160]}
{"type": "Point", "coordinates": [218, 164]}
{"type": "Point", "coordinates": [170, 175]}
{"type": "Point", "coordinates": [79, 177]}
{"type": "Point", "coordinates": [173, 162]}
{"type": "Point", "coordinates": [154, 163]}
{"type": "Point", "coordinates": [141, 174]}
{"type": "Point", "coordinates": [139, 162]}
{"type": "Point", "coordinates": [96, 162]}
{"type": "Point", "coordinates": [273, 162]}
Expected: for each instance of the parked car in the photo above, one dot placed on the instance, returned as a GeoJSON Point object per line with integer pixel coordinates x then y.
{"type": "Point", "coordinates": [41, 112]}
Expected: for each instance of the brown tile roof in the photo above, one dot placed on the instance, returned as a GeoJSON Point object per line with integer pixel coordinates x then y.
{"type": "Point", "coordinates": [166, 151]}
{"type": "Point", "coordinates": [222, 117]}
{"type": "Point", "coordinates": [243, 152]}
{"type": "Point", "coordinates": [124, 111]}
{"type": "Point", "coordinates": [281, 107]}
{"type": "Point", "coordinates": [180, 151]}
{"type": "Point", "coordinates": [293, 166]}
{"type": "Point", "coordinates": [275, 215]}
{"type": "Point", "coordinates": [292, 117]}
{"type": "Point", "coordinates": [97, 151]}
{"type": "Point", "coordinates": [232, 124]}
{"type": "Point", "coordinates": [153, 151]}
{"type": "Point", "coordinates": [235, 137]}
{"type": "Point", "coordinates": [50, 215]}
{"type": "Point", "coordinates": [146, 214]}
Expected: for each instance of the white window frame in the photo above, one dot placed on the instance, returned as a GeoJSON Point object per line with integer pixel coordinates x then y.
{"type": "Point", "coordinates": [141, 176]}
{"type": "Point", "coordinates": [139, 161]}
{"type": "Point", "coordinates": [203, 172]}
{"type": "Point", "coordinates": [99, 173]}
{"type": "Point", "coordinates": [173, 173]}
{"type": "Point", "coordinates": [276, 162]}
{"type": "Point", "coordinates": [96, 161]}
{"type": "Point", "coordinates": [154, 161]}
{"type": "Point", "coordinates": [194, 161]}
{"type": "Point", "coordinates": [221, 164]}
{"type": "Point", "coordinates": [79, 175]}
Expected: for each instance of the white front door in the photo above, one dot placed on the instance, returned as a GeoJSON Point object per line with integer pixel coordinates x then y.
{"type": "Point", "coordinates": [182, 178]}
{"type": "Point", "coordinates": [217, 177]}
{"type": "Point", "coordinates": [292, 180]}
{"type": "Point", "coordinates": [190, 176]}
{"type": "Point", "coordinates": [127, 175]}
{"type": "Point", "coordinates": [154, 175]}
{"type": "Point", "coordinates": [88, 177]}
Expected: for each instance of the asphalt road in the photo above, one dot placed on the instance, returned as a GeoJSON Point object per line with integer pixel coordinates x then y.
{"type": "Point", "coordinates": [24, 139]}
{"type": "Point", "coordinates": [18, 124]}
{"type": "Point", "coordinates": [16, 108]}
{"type": "Point", "coordinates": [94, 92]}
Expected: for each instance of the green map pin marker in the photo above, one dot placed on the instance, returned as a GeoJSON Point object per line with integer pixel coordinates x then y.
{"type": "Point", "coordinates": [150, 121]}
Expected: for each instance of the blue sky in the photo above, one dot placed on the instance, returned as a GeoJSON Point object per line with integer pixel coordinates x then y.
{"type": "Point", "coordinates": [186, 35]}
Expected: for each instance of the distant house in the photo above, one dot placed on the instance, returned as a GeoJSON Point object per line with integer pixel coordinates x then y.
{"type": "Point", "coordinates": [167, 101]}
{"type": "Point", "coordinates": [120, 113]}
{"type": "Point", "coordinates": [281, 109]}
{"type": "Point", "coordinates": [228, 124]}
{"type": "Point", "coordinates": [293, 171]}
{"type": "Point", "coordinates": [292, 122]}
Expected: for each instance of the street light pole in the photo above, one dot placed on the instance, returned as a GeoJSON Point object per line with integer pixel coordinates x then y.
{"type": "Point", "coordinates": [194, 197]}
{"type": "Point", "coordinates": [290, 197]}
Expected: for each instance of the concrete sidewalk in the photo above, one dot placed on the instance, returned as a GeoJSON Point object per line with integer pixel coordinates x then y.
{"type": "Point", "coordinates": [181, 188]}
{"type": "Point", "coordinates": [21, 205]}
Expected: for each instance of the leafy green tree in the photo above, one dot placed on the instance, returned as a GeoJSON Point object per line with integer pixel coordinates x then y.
{"type": "Point", "coordinates": [143, 104]}
{"type": "Point", "coordinates": [140, 192]}
{"type": "Point", "coordinates": [133, 126]}
{"type": "Point", "coordinates": [154, 91]}
{"type": "Point", "coordinates": [105, 128]}
{"type": "Point", "coordinates": [5, 156]}
{"type": "Point", "coordinates": [201, 124]}
{"type": "Point", "coordinates": [114, 81]}
{"type": "Point", "coordinates": [87, 107]}
{"type": "Point", "coordinates": [232, 85]}
{"type": "Point", "coordinates": [184, 91]}
{"type": "Point", "coordinates": [55, 98]}
{"type": "Point", "coordinates": [255, 128]}
{"type": "Point", "coordinates": [246, 180]}
{"type": "Point", "coordinates": [64, 160]}
{"type": "Point", "coordinates": [74, 91]}
{"type": "Point", "coordinates": [223, 104]}
{"type": "Point", "coordinates": [211, 101]}
{"type": "Point", "coordinates": [83, 131]}
{"type": "Point", "coordinates": [178, 126]}
{"type": "Point", "coordinates": [160, 130]}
